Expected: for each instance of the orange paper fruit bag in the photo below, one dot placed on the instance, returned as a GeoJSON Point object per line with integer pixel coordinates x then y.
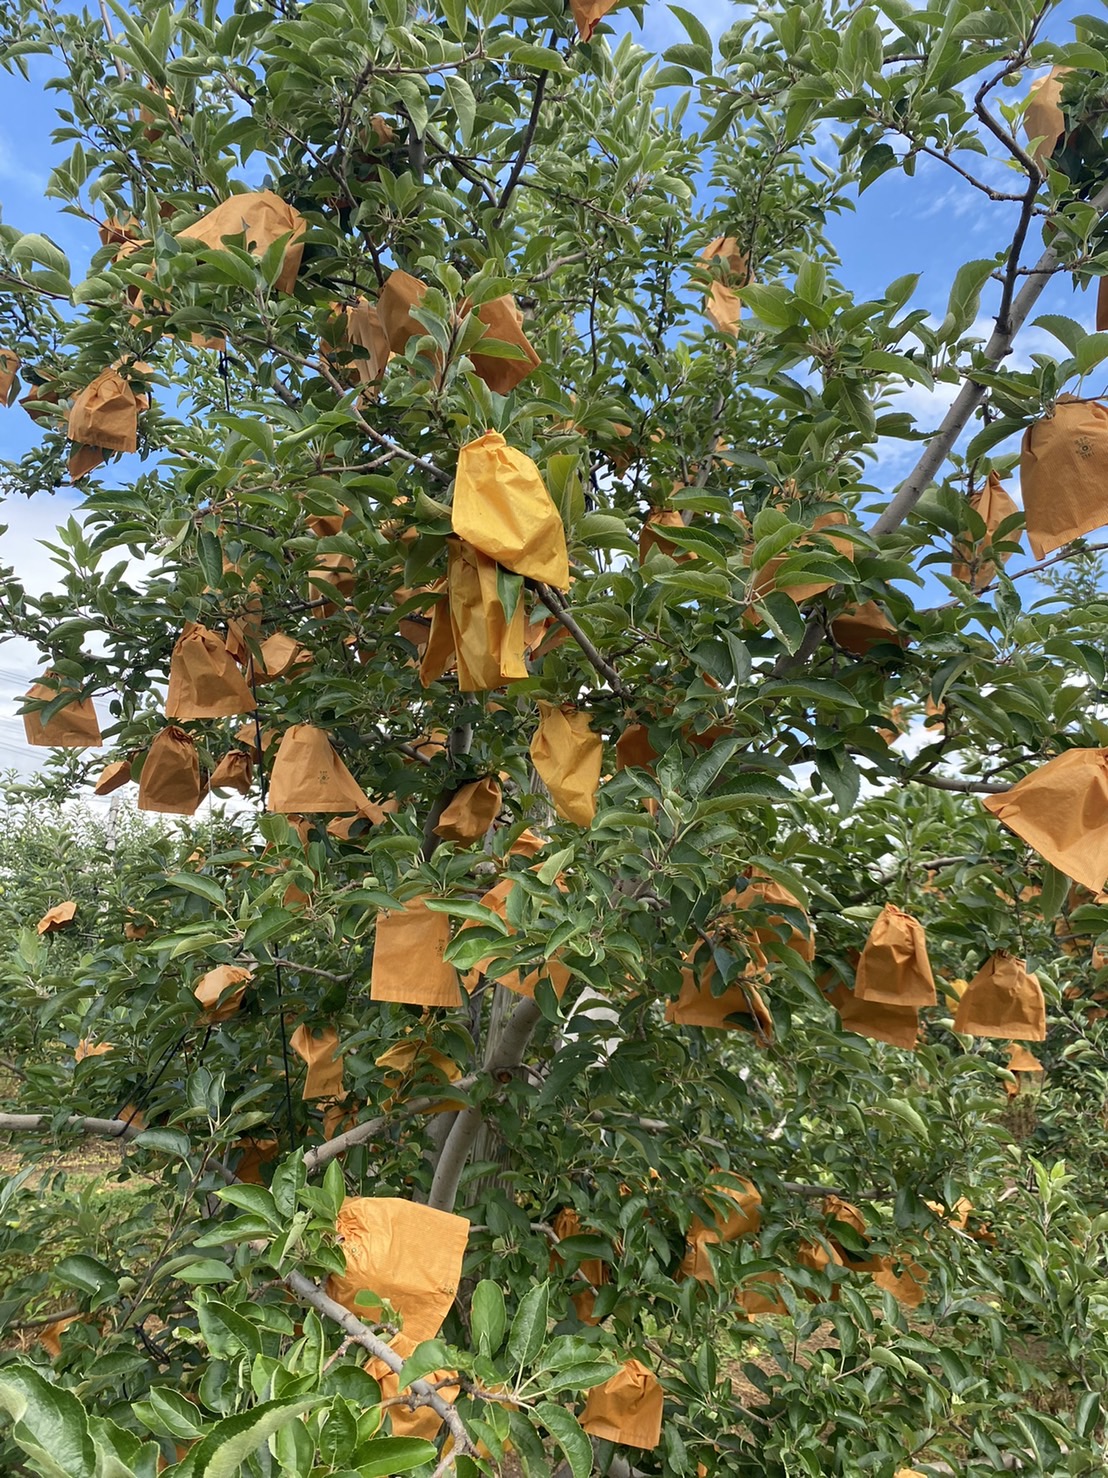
{"type": "Point", "coordinates": [309, 777]}
{"type": "Point", "coordinates": [1064, 474]}
{"type": "Point", "coordinates": [170, 779]}
{"type": "Point", "coordinates": [74, 726]}
{"type": "Point", "coordinates": [1003, 1000]}
{"type": "Point", "coordinates": [203, 679]}
{"type": "Point", "coordinates": [1061, 810]}
{"type": "Point", "coordinates": [501, 507]}
{"type": "Point", "coordinates": [319, 1050]}
{"type": "Point", "coordinates": [627, 1408]}
{"type": "Point", "coordinates": [408, 962]}
{"type": "Point", "coordinates": [410, 1255]}
{"type": "Point", "coordinates": [472, 810]}
{"type": "Point", "coordinates": [568, 757]}
{"type": "Point", "coordinates": [894, 969]}
{"type": "Point", "coordinates": [260, 218]}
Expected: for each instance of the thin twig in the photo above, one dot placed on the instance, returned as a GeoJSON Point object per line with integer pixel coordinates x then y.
{"type": "Point", "coordinates": [554, 604]}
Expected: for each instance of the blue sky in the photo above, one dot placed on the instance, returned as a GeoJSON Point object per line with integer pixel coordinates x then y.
{"type": "Point", "coordinates": [928, 224]}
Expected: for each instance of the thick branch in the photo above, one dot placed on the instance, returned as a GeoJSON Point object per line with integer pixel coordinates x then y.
{"type": "Point", "coordinates": [971, 394]}
{"type": "Point", "coordinates": [504, 1054]}
{"type": "Point", "coordinates": [422, 1394]}
{"type": "Point", "coordinates": [104, 1128]}
{"type": "Point", "coordinates": [323, 1154]}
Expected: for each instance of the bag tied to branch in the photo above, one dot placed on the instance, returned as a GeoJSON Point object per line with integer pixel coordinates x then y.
{"type": "Point", "coordinates": [170, 779]}
{"type": "Point", "coordinates": [61, 916]}
{"type": "Point", "coordinates": [320, 1052]}
{"type": "Point", "coordinates": [357, 329]}
{"type": "Point", "coordinates": [1044, 123]}
{"type": "Point", "coordinates": [743, 1220]}
{"type": "Point", "coordinates": [408, 964]}
{"type": "Point", "coordinates": [738, 1008]}
{"type": "Point", "coordinates": [103, 417]}
{"type": "Point", "coordinates": [568, 757]}
{"type": "Point", "coordinates": [472, 810]}
{"type": "Point", "coordinates": [897, 1025]}
{"type": "Point", "coordinates": [894, 969]}
{"type": "Point", "coordinates": [74, 726]}
{"type": "Point", "coordinates": [501, 507]}
{"type": "Point", "coordinates": [1003, 1000]}
{"type": "Point", "coordinates": [471, 625]}
{"type": "Point", "coordinates": [410, 1255]}
{"type": "Point", "coordinates": [413, 1068]}
{"type": "Point", "coordinates": [308, 776]}
{"type": "Point", "coordinates": [504, 322]}
{"type": "Point", "coordinates": [260, 218]}
{"type": "Point", "coordinates": [993, 505]}
{"type": "Point", "coordinates": [1064, 474]}
{"type": "Point", "coordinates": [626, 1408]}
{"type": "Point", "coordinates": [858, 629]}
{"type": "Point", "coordinates": [112, 777]}
{"type": "Point", "coordinates": [221, 990]}
{"type": "Point", "coordinates": [235, 771]}
{"type": "Point", "coordinates": [1061, 810]}
{"type": "Point", "coordinates": [203, 679]}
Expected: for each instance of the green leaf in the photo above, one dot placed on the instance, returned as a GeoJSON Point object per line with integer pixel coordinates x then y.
{"type": "Point", "coordinates": [429, 1355]}
{"type": "Point", "coordinates": [488, 1319]}
{"type": "Point", "coordinates": [461, 99]}
{"type": "Point", "coordinates": [1056, 887]}
{"type": "Point", "coordinates": [528, 1333]}
{"type": "Point", "coordinates": [965, 298]}
{"type": "Point", "coordinates": [384, 1456]}
{"type": "Point", "coordinates": [85, 1273]}
{"type": "Point", "coordinates": [205, 1270]}
{"type": "Point", "coordinates": [236, 1438]}
{"type": "Point", "coordinates": [203, 887]}
{"type": "Point", "coordinates": [566, 1430]}
{"type": "Point", "coordinates": [50, 1424]}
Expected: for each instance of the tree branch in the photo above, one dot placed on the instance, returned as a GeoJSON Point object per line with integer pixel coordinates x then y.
{"type": "Point", "coordinates": [422, 1394]}
{"type": "Point", "coordinates": [103, 1128]}
{"type": "Point", "coordinates": [324, 1153]}
{"type": "Point", "coordinates": [969, 397]}
{"type": "Point", "coordinates": [525, 145]}
{"type": "Point", "coordinates": [553, 602]}
{"type": "Point", "coordinates": [968, 787]}
{"type": "Point", "coordinates": [503, 1054]}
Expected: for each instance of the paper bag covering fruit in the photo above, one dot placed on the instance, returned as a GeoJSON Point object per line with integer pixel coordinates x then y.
{"type": "Point", "coordinates": [504, 322]}
{"type": "Point", "coordinates": [103, 417]}
{"type": "Point", "coordinates": [1061, 810]}
{"type": "Point", "coordinates": [1003, 1000]}
{"type": "Point", "coordinates": [626, 1408]}
{"type": "Point", "coordinates": [469, 627]}
{"type": "Point", "coordinates": [408, 964]}
{"type": "Point", "coordinates": [1064, 474]}
{"type": "Point", "coordinates": [568, 757]}
{"type": "Point", "coordinates": [233, 772]}
{"type": "Point", "coordinates": [1044, 123]}
{"type": "Point", "coordinates": [319, 1051]}
{"type": "Point", "coordinates": [74, 726]}
{"type": "Point", "coordinates": [259, 219]}
{"type": "Point", "coordinates": [993, 505]}
{"type": "Point", "coordinates": [743, 1219]}
{"type": "Point", "coordinates": [113, 776]}
{"type": "Point", "coordinates": [220, 992]}
{"type": "Point", "coordinates": [593, 1271]}
{"type": "Point", "coordinates": [170, 778]}
{"type": "Point", "coordinates": [471, 811]}
{"type": "Point", "coordinates": [502, 508]}
{"type": "Point", "coordinates": [203, 679]}
{"type": "Point", "coordinates": [308, 776]}
{"type": "Point", "coordinates": [410, 1255]}
{"type": "Point", "coordinates": [61, 916]}
{"type": "Point", "coordinates": [412, 1069]}
{"type": "Point", "coordinates": [356, 331]}
{"type": "Point", "coordinates": [894, 969]}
